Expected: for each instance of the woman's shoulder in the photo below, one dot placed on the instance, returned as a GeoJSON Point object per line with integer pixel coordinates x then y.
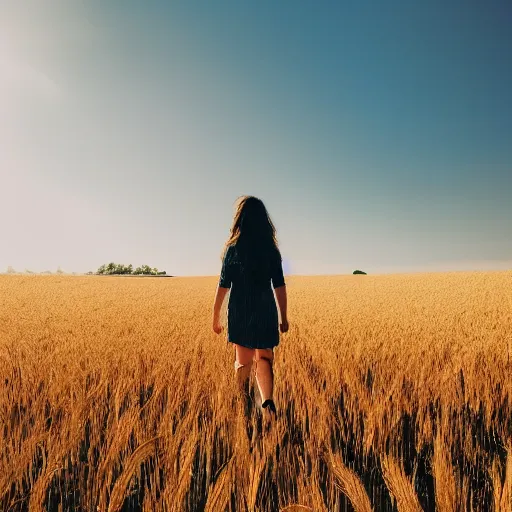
{"type": "Point", "coordinates": [275, 252]}
{"type": "Point", "coordinates": [230, 250]}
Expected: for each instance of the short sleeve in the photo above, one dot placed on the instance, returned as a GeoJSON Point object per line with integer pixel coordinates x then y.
{"type": "Point", "coordinates": [277, 271]}
{"type": "Point", "coordinates": [225, 274]}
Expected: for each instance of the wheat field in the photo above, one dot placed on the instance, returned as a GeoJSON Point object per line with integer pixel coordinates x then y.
{"type": "Point", "coordinates": [393, 393]}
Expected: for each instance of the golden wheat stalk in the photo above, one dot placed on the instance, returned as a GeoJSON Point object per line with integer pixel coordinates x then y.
{"type": "Point", "coordinates": [497, 487]}
{"type": "Point", "coordinates": [186, 469]}
{"type": "Point", "coordinates": [399, 485]}
{"type": "Point", "coordinates": [117, 496]}
{"type": "Point", "coordinates": [40, 490]}
{"type": "Point", "coordinates": [349, 484]}
{"type": "Point", "coordinates": [257, 464]}
{"type": "Point", "coordinates": [444, 479]}
{"type": "Point", "coordinates": [220, 493]}
{"type": "Point", "coordinates": [502, 493]}
{"type": "Point", "coordinates": [506, 496]}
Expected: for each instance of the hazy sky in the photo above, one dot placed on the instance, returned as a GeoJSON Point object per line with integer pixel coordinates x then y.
{"type": "Point", "coordinates": [379, 134]}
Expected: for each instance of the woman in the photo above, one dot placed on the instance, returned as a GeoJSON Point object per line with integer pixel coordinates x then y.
{"type": "Point", "coordinates": [250, 261]}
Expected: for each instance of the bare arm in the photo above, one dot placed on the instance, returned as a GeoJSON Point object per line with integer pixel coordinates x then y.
{"type": "Point", "coordinates": [280, 291]}
{"type": "Point", "coordinates": [222, 289]}
{"type": "Point", "coordinates": [282, 302]}
{"type": "Point", "coordinates": [219, 299]}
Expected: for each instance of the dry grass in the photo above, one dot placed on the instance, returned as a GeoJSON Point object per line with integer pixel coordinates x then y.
{"type": "Point", "coordinates": [393, 391]}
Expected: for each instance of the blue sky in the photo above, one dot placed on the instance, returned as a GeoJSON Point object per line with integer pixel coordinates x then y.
{"type": "Point", "coordinates": [379, 134]}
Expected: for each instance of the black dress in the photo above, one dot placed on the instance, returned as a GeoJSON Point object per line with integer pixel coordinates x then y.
{"type": "Point", "coordinates": [252, 310]}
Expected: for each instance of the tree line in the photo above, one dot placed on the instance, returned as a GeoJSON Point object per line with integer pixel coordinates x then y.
{"type": "Point", "coordinates": [121, 269]}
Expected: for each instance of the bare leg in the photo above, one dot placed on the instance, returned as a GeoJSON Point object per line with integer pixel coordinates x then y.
{"type": "Point", "coordinates": [264, 373]}
{"type": "Point", "coordinates": [243, 366]}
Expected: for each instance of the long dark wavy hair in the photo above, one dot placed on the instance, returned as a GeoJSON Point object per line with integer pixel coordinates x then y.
{"type": "Point", "coordinates": [252, 232]}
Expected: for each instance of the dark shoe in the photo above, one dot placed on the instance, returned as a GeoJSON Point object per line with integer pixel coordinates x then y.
{"type": "Point", "coordinates": [271, 406]}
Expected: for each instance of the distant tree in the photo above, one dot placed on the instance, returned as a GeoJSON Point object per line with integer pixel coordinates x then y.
{"type": "Point", "coordinates": [359, 272]}
{"type": "Point", "coordinates": [111, 268]}
{"type": "Point", "coordinates": [11, 270]}
{"type": "Point", "coordinates": [146, 270]}
{"type": "Point", "coordinates": [27, 271]}
{"type": "Point", "coordinates": [107, 269]}
{"type": "Point", "coordinates": [59, 270]}
{"type": "Point", "coordinates": [123, 269]}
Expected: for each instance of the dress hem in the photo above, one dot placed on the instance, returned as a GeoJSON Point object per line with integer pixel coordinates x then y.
{"type": "Point", "coordinates": [254, 346]}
